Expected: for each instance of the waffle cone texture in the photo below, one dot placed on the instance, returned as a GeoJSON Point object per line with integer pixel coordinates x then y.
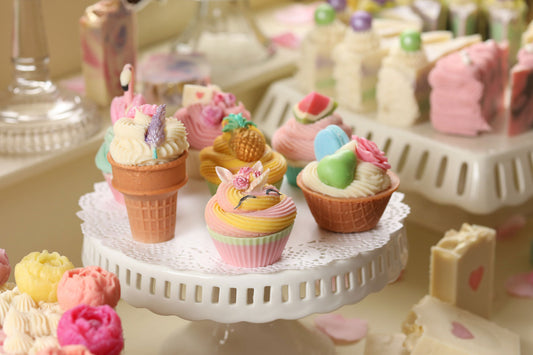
{"type": "Point", "coordinates": [348, 215]}
{"type": "Point", "coordinates": [150, 194]}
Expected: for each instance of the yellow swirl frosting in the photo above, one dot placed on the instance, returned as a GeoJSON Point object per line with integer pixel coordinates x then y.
{"type": "Point", "coordinates": [219, 154]}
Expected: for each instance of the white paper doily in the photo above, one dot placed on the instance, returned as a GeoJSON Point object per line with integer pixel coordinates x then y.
{"type": "Point", "coordinates": [192, 250]}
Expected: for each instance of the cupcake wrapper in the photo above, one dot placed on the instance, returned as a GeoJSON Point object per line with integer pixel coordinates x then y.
{"type": "Point", "coordinates": [348, 215]}
{"type": "Point", "coordinates": [251, 252]}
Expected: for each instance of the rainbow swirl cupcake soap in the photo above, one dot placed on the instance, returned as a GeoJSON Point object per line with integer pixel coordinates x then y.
{"type": "Point", "coordinates": [248, 219]}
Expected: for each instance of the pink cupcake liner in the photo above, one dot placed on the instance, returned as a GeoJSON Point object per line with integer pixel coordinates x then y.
{"type": "Point", "coordinates": [116, 194]}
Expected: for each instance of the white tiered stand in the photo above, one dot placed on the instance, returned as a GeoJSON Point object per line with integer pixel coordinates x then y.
{"type": "Point", "coordinates": [238, 310]}
{"type": "Point", "coordinates": [486, 176]}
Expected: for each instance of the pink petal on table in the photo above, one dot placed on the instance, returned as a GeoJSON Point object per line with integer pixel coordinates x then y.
{"type": "Point", "coordinates": [510, 226]}
{"type": "Point", "coordinates": [340, 329]}
{"type": "Point", "coordinates": [520, 285]}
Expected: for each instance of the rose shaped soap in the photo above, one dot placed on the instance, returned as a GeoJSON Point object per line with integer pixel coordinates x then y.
{"type": "Point", "coordinates": [5, 268]}
{"type": "Point", "coordinates": [38, 274]}
{"type": "Point", "coordinates": [66, 350]}
{"type": "Point", "coordinates": [89, 285]}
{"type": "Point", "coordinates": [97, 328]}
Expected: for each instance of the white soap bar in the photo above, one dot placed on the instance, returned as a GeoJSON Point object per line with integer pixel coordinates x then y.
{"type": "Point", "coordinates": [439, 328]}
{"type": "Point", "coordinates": [462, 268]}
{"type": "Point", "coordinates": [385, 344]}
{"type": "Point", "coordinates": [197, 94]}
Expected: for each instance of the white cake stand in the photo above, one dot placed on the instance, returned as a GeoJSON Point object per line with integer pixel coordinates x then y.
{"type": "Point", "coordinates": [239, 310]}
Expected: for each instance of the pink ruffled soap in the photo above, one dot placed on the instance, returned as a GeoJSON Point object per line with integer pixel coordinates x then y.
{"type": "Point", "coordinates": [5, 268]}
{"type": "Point", "coordinates": [99, 329]}
{"type": "Point", "coordinates": [467, 89]}
{"type": "Point", "coordinates": [66, 350]}
{"type": "Point", "coordinates": [89, 285]}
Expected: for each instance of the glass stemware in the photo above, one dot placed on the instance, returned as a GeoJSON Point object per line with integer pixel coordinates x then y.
{"type": "Point", "coordinates": [36, 115]}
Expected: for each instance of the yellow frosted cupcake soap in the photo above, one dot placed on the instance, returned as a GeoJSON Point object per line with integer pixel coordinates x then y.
{"type": "Point", "coordinates": [38, 274]}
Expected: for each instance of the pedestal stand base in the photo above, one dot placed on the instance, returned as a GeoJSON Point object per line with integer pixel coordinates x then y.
{"type": "Point", "coordinates": [277, 337]}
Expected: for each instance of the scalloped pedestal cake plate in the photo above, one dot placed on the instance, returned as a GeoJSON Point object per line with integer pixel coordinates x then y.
{"type": "Point", "coordinates": [235, 310]}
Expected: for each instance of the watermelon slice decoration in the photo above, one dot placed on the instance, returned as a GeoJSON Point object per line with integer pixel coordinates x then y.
{"type": "Point", "coordinates": [313, 107]}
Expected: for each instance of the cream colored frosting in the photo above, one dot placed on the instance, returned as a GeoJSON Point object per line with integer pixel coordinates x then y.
{"type": "Point", "coordinates": [23, 303]}
{"type": "Point", "coordinates": [129, 147]}
{"type": "Point", "coordinates": [8, 286]}
{"type": "Point", "coordinates": [53, 321]}
{"type": "Point", "coordinates": [38, 323]}
{"type": "Point", "coordinates": [369, 179]}
{"type": "Point", "coordinates": [402, 59]}
{"type": "Point", "coordinates": [4, 308]}
{"type": "Point", "coordinates": [15, 322]}
{"type": "Point", "coordinates": [19, 343]}
{"type": "Point", "coordinates": [45, 342]}
{"type": "Point", "coordinates": [360, 42]}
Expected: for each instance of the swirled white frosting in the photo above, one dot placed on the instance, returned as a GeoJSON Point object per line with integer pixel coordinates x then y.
{"type": "Point", "coordinates": [23, 303]}
{"type": "Point", "coordinates": [4, 308]}
{"type": "Point", "coordinates": [50, 307]}
{"type": "Point", "coordinates": [128, 147]}
{"type": "Point", "coordinates": [368, 180]}
{"type": "Point", "coordinates": [19, 343]}
{"type": "Point", "coordinates": [38, 323]}
{"type": "Point", "coordinates": [8, 286]}
{"type": "Point", "coordinates": [53, 321]}
{"type": "Point", "coordinates": [45, 342]}
{"type": "Point", "coordinates": [15, 322]}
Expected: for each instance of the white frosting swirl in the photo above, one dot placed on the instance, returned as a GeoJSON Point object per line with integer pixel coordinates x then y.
{"type": "Point", "coordinates": [4, 308]}
{"type": "Point", "coordinates": [129, 147]}
{"type": "Point", "coordinates": [53, 321]}
{"type": "Point", "coordinates": [19, 343]}
{"type": "Point", "coordinates": [15, 322]}
{"type": "Point", "coordinates": [8, 286]}
{"type": "Point", "coordinates": [9, 295]}
{"type": "Point", "coordinates": [41, 343]}
{"type": "Point", "coordinates": [368, 180]}
{"type": "Point", "coordinates": [38, 323]}
{"type": "Point", "coordinates": [23, 303]}
{"type": "Point", "coordinates": [53, 307]}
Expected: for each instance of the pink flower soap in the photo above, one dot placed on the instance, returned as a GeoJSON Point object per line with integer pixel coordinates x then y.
{"type": "Point", "coordinates": [99, 329]}
{"type": "Point", "coordinates": [5, 268]}
{"type": "Point", "coordinates": [66, 350]}
{"type": "Point", "coordinates": [468, 89]}
{"type": "Point", "coordinates": [89, 285]}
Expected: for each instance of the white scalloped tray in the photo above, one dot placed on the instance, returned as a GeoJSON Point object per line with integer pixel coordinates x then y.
{"type": "Point", "coordinates": [319, 271]}
{"type": "Point", "coordinates": [480, 174]}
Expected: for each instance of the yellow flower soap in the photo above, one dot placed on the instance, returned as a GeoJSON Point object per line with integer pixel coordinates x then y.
{"type": "Point", "coordinates": [38, 274]}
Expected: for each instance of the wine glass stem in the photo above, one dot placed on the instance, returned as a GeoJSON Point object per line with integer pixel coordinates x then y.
{"type": "Point", "coordinates": [30, 52]}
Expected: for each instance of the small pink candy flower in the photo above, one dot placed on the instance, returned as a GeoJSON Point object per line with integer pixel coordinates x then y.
{"type": "Point", "coordinates": [212, 115]}
{"type": "Point", "coordinates": [226, 99]}
{"type": "Point", "coordinates": [241, 182]}
{"type": "Point", "coordinates": [369, 152]}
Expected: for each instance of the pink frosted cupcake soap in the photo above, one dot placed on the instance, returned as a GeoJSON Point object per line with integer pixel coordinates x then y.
{"type": "Point", "coordinates": [204, 108]}
{"type": "Point", "coordinates": [99, 329]}
{"type": "Point", "coordinates": [249, 220]}
{"type": "Point", "coordinates": [295, 139]}
{"type": "Point", "coordinates": [89, 285]}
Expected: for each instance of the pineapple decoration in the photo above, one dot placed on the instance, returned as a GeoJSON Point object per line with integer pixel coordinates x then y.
{"type": "Point", "coordinates": [246, 142]}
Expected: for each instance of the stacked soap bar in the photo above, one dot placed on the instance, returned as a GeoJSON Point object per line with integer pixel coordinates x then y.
{"type": "Point", "coordinates": [467, 89]}
{"type": "Point", "coordinates": [521, 105]}
{"type": "Point", "coordinates": [462, 268]}
{"type": "Point", "coordinates": [437, 327]}
{"type": "Point", "coordinates": [108, 42]}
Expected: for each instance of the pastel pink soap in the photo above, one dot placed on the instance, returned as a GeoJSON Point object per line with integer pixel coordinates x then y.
{"type": "Point", "coordinates": [99, 329]}
{"type": "Point", "coordinates": [467, 89]}
{"type": "Point", "coordinates": [521, 104]}
{"type": "Point", "coordinates": [5, 268]}
{"type": "Point", "coordinates": [89, 285]}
